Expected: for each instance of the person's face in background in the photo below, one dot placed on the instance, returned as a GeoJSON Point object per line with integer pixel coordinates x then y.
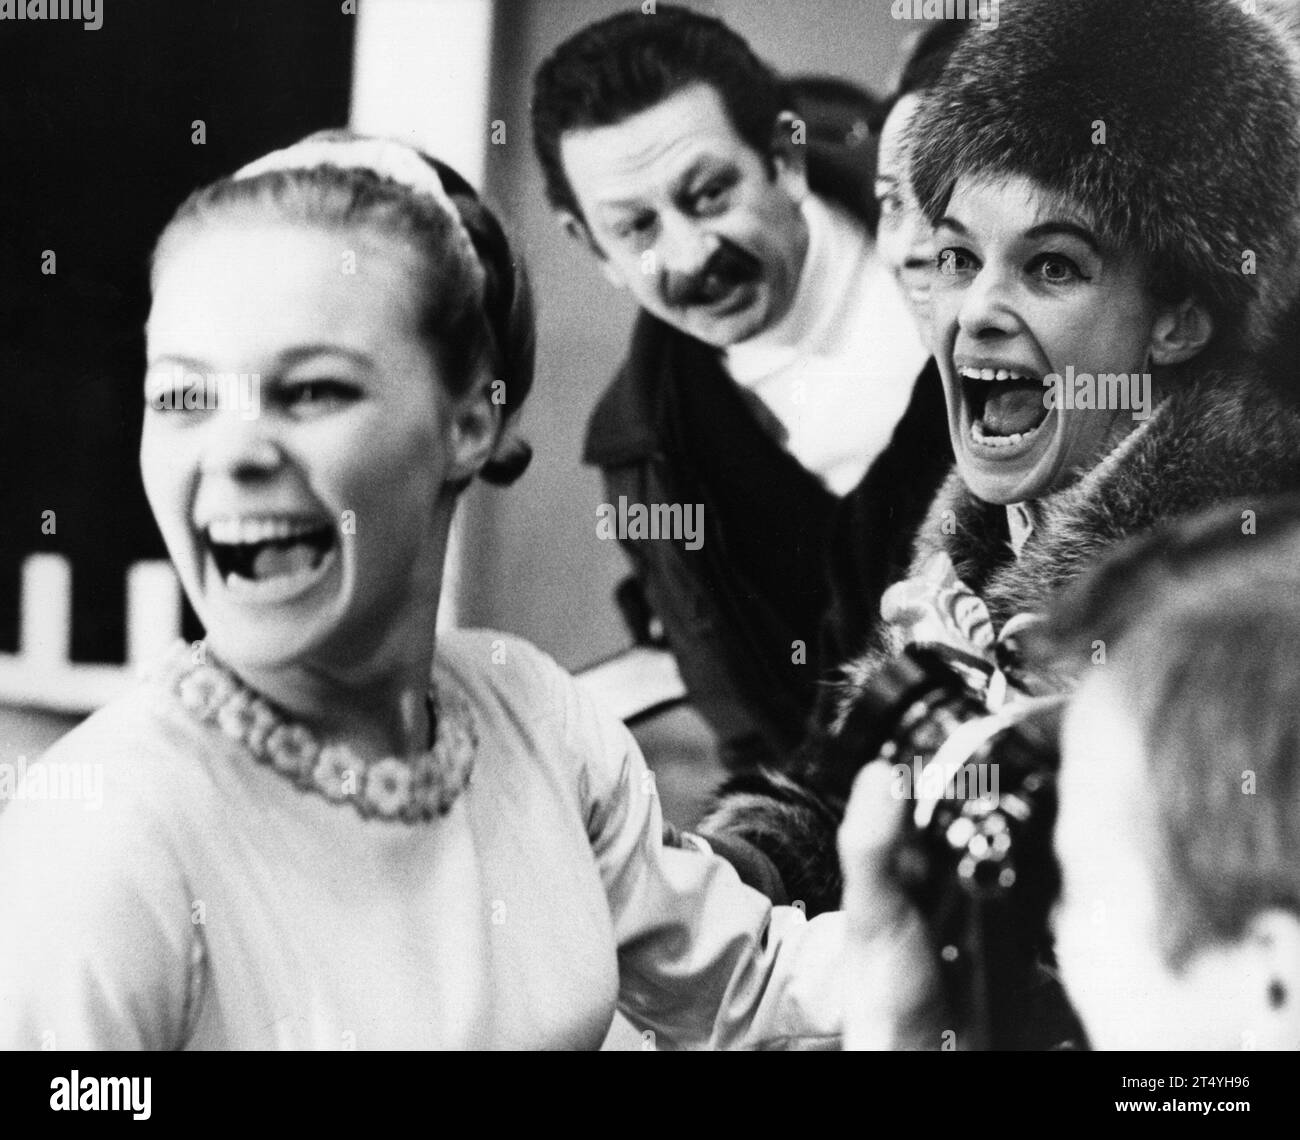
{"type": "Point", "coordinates": [1109, 840]}
{"type": "Point", "coordinates": [705, 232]}
{"type": "Point", "coordinates": [904, 236]}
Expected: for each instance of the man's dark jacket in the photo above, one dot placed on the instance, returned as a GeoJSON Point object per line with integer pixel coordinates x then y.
{"type": "Point", "coordinates": [789, 576]}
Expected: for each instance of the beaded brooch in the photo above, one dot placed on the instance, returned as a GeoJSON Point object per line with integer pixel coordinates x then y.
{"type": "Point", "coordinates": [407, 790]}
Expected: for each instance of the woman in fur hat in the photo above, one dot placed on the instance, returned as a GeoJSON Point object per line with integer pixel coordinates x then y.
{"type": "Point", "coordinates": [1114, 193]}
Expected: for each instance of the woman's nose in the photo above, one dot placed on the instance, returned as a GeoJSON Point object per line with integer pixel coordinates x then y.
{"type": "Point", "coordinates": [240, 446]}
{"type": "Point", "coordinates": [985, 307]}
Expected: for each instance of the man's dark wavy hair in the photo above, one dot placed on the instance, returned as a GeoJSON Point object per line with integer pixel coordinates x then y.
{"type": "Point", "coordinates": [630, 62]}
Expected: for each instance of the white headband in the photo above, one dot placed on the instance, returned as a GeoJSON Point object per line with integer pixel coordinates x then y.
{"type": "Point", "coordinates": [394, 160]}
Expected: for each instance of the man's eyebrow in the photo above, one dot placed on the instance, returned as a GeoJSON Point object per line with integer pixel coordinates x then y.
{"type": "Point", "coordinates": [682, 183]}
{"type": "Point", "coordinates": [948, 222]}
{"type": "Point", "coordinates": [678, 189]}
{"type": "Point", "coordinates": [1070, 229]}
{"type": "Point", "coordinates": [616, 205]}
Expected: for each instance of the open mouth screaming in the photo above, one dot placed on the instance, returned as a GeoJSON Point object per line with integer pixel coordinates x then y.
{"type": "Point", "coordinates": [277, 555]}
{"type": "Point", "coordinates": [1006, 405]}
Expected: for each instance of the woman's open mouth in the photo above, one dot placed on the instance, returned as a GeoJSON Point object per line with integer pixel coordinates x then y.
{"type": "Point", "coordinates": [1005, 408]}
{"type": "Point", "coordinates": [270, 559]}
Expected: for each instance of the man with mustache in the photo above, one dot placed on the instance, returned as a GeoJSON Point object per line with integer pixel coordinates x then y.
{"type": "Point", "coordinates": [771, 376]}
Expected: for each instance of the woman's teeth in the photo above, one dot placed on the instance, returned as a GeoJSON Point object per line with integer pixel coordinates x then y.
{"type": "Point", "coordinates": [236, 531]}
{"type": "Point", "coordinates": [994, 374]}
{"type": "Point", "coordinates": [265, 549]}
{"type": "Point", "coordinates": [977, 434]}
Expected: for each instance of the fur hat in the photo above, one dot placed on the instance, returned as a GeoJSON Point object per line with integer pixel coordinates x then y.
{"type": "Point", "coordinates": [1200, 163]}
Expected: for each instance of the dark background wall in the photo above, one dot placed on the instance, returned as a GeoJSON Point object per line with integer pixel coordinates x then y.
{"type": "Point", "coordinates": [96, 137]}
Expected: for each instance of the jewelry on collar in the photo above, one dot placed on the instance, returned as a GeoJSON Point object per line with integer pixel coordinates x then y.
{"type": "Point", "coordinates": [407, 790]}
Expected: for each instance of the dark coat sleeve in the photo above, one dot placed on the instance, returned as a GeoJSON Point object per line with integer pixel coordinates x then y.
{"type": "Point", "coordinates": [875, 525]}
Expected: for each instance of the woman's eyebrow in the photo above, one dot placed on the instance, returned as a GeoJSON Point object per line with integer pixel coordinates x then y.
{"type": "Point", "coordinates": [286, 359]}
{"type": "Point", "coordinates": [1070, 229]}
{"type": "Point", "coordinates": [186, 362]}
{"type": "Point", "coordinates": [304, 352]}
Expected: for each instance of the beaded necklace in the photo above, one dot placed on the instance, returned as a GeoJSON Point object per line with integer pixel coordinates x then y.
{"type": "Point", "coordinates": [408, 790]}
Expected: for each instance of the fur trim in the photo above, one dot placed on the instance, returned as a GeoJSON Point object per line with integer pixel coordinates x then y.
{"type": "Point", "coordinates": [1201, 160]}
{"type": "Point", "coordinates": [1216, 439]}
{"type": "Point", "coordinates": [792, 825]}
{"type": "Point", "coordinates": [1220, 436]}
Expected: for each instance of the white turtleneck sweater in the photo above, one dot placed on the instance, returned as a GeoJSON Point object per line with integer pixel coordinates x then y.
{"type": "Point", "coordinates": [837, 370]}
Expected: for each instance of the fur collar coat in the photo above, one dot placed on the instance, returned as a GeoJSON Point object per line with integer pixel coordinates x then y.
{"type": "Point", "coordinates": [1224, 433]}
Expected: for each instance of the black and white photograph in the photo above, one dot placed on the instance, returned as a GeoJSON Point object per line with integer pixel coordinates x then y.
{"type": "Point", "coordinates": [636, 526]}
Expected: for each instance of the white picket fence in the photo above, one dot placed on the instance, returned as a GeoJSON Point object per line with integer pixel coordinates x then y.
{"type": "Point", "coordinates": [41, 675]}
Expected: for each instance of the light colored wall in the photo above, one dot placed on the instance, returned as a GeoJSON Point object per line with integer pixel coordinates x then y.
{"type": "Point", "coordinates": [412, 60]}
{"type": "Point", "coordinates": [533, 563]}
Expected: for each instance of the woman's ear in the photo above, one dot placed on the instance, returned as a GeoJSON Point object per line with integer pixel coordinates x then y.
{"type": "Point", "coordinates": [1180, 332]}
{"type": "Point", "coordinates": [1270, 960]}
{"type": "Point", "coordinates": [789, 154]}
{"type": "Point", "coordinates": [1247, 989]}
{"type": "Point", "coordinates": [474, 427]}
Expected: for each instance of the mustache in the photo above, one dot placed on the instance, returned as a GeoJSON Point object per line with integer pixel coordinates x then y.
{"type": "Point", "coordinates": [726, 268]}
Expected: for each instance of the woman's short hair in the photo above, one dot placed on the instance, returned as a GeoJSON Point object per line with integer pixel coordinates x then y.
{"type": "Point", "coordinates": [472, 316]}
